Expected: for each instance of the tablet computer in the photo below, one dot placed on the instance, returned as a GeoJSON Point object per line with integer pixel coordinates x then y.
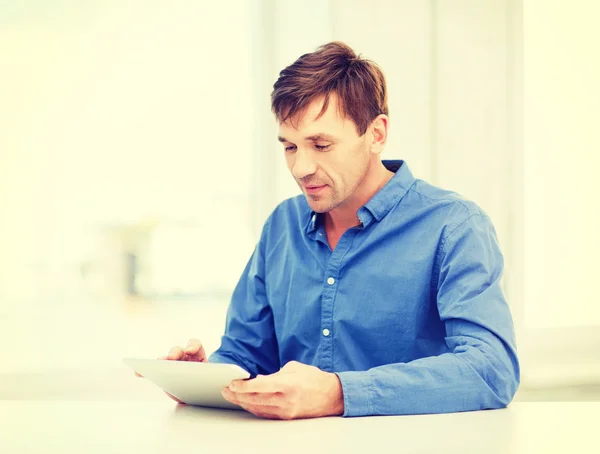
{"type": "Point", "coordinates": [193, 383]}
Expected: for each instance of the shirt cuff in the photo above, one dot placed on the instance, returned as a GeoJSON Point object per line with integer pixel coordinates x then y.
{"type": "Point", "coordinates": [357, 388]}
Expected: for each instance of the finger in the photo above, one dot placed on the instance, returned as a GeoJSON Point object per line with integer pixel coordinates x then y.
{"type": "Point", "coordinates": [263, 412]}
{"type": "Point", "coordinates": [262, 384]}
{"type": "Point", "coordinates": [176, 353]}
{"type": "Point", "coordinates": [195, 350]}
{"type": "Point", "coordinates": [229, 396]}
{"type": "Point", "coordinates": [257, 399]}
{"type": "Point", "coordinates": [174, 398]}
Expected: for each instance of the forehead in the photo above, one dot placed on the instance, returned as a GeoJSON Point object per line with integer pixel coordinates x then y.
{"type": "Point", "coordinates": [330, 122]}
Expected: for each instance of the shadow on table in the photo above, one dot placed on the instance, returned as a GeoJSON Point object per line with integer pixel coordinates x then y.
{"type": "Point", "coordinates": [192, 411]}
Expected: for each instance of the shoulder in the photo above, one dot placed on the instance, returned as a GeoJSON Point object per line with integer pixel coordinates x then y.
{"type": "Point", "coordinates": [449, 208]}
{"type": "Point", "coordinates": [289, 216]}
{"type": "Point", "coordinates": [292, 210]}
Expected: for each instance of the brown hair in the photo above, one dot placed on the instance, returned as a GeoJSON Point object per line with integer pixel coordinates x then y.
{"type": "Point", "coordinates": [333, 68]}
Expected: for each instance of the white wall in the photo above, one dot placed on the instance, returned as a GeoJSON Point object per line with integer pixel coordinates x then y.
{"type": "Point", "coordinates": [561, 99]}
{"type": "Point", "coordinates": [562, 116]}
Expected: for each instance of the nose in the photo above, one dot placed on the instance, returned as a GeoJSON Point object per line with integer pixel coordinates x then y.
{"type": "Point", "coordinates": [304, 164]}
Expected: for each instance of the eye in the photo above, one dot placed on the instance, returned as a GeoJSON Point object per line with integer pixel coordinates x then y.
{"type": "Point", "coordinates": [290, 148]}
{"type": "Point", "coordinates": [322, 147]}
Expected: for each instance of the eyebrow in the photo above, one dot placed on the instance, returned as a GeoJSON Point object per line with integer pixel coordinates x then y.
{"type": "Point", "coordinates": [314, 138]}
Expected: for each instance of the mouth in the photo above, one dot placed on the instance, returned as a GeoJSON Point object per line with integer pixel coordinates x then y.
{"type": "Point", "coordinates": [314, 189]}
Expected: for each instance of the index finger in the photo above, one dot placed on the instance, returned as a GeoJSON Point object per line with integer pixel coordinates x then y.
{"type": "Point", "coordinates": [194, 346]}
{"type": "Point", "coordinates": [175, 354]}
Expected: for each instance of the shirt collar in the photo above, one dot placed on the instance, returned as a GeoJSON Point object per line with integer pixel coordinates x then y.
{"type": "Point", "coordinates": [384, 200]}
{"type": "Point", "coordinates": [313, 223]}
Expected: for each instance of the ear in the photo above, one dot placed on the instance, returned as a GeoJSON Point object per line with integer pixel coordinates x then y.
{"type": "Point", "coordinates": [378, 131]}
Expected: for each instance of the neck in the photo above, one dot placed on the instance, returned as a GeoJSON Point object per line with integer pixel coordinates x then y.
{"type": "Point", "coordinates": [345, 216]}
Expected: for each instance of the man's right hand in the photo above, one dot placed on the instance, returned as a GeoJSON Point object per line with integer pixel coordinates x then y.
{"type": "Point", "coordinates": [194, 351]}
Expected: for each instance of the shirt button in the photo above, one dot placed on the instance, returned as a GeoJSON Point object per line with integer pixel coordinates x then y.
{"type": "Point", "coordinates": [326, 332]}
{"type": "Point", "coordinates": [330, 281]}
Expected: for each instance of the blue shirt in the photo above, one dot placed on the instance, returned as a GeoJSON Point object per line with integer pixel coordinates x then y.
{"type": "Point", "coordinates": [407, 309]}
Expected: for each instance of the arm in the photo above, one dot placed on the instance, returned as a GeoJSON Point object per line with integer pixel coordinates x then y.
{"type": "Point", "coordinates": [482, 370]}
{"type": "Point", "coordinates": [249, 339]}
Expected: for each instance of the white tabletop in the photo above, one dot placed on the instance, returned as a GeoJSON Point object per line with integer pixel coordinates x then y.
{"type": "Point", "coordinates": [110, 411]}
{"type": "Point", "coordinates": [161, 426]}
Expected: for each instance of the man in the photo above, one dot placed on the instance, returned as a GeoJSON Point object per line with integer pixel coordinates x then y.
{"type": "Point", "coordinates": [373, 293]}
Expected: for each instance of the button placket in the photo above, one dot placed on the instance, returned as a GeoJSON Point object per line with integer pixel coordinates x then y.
{"type": "Point", "coordinates": [330, 287]}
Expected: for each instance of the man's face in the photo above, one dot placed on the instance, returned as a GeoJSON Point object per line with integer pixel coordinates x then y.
{"type": "Point", "coordinates": [327, 157]}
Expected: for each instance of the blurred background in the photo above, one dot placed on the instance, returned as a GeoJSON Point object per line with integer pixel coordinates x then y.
{"type": "Point", "coordinates": [139, 160]}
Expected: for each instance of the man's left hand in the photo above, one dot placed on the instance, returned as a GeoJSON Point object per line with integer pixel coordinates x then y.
{"type": "Point", "coordinates": [296, 391]}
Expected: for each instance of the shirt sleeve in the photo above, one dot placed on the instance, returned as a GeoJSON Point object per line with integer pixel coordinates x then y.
{"type": "Point", "coordinates": [481, 370]}
{"type": "Point", "coordinates": [249, 340]}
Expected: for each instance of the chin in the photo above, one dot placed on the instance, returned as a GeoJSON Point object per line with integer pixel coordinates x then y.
{"type": "Point", "coordinates": [319, 206]}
